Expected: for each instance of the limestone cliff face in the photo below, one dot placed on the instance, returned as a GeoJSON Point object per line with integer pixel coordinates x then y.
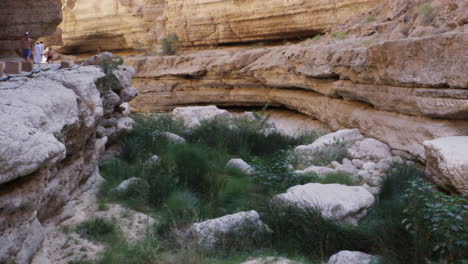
{"type": "Point", "coordinates": [121, 24]}
{"type": "Point", "coordinates": [40, 17]}
{"type": "Point", "coordinates": [398, 73]}
{"type": "Point", "coordinates": [50, 145]}
{"type": "Point", "coordinates": [212, 22]}
{"type": "Point", "coordinates": [401, 92]}
{"type": "Point", "coordinates": [110, 24]}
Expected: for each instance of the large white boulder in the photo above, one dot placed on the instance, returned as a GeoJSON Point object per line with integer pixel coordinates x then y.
{"type": "Point", "coordinates": [174, 138]}
{"type": "Point", "coordinates": [370, 149]}
{"type": "Point", "coordinates": [343, 136]}
{"type": "Point", "coordinates": [245, 225]}
{"type": "Point", "coordinates": [240, 165]}
{"type": "Point", "coordinates": [193, 115]}
{"type": "Point", "coordinates": [350, 257]}
{"type": "Point", "coordinates": [344, 203]}
{"type": "Point", "coordinates": [447, 163]}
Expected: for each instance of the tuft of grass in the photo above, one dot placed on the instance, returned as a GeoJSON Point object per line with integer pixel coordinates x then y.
{"type": "Point", "coordinates": [311, 41]}
{"type": "Point", "coordinates": [304, 229]}
{"type": "Point", "coordinates": [339, 35]}
{"type": "Point", "coordinates": [98, 229]}
{"type": "Point", "coordinates": [102, 206]}
{"type": "Point", "coordinates": [425, 10]}
{"type": "Point", "coordinates": [170, 44]}
{"type": "Point", "coordinates": [337, 177]}
{"type": "Point", "coordinates": [371, 19]}
{"type": "Point", "coordinates": [367, 43]}
{"type": "Point", "coordinates": [336, 151]}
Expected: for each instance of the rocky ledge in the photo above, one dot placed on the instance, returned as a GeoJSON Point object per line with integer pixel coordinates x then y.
{"type": "Point", "coordinates": [56, 124]}
{"type": "Point", "coordinates": [402, 100]}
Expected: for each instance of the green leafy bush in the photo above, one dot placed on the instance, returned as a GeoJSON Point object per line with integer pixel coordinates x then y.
{"type": "Point", "coordinates": [108, 66]}
{"type": "Point", "coordinates": [437, 220]}
{"type": "Point", "coordinates": [170, 44]}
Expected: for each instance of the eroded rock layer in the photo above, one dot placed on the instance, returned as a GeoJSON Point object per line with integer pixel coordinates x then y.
{"type": "Point", "coordinates": [118, 24]}
{"type": "Point", "coordinates": [211, 22]}
{"type": "Point", "coordinates": [40, 17]}
{"type": "Point", "coordinates": [50, 148]}
{"type": "Point", "coordinates": [110, 24]}
{"type": "Point", "coordinates": [401, 92]}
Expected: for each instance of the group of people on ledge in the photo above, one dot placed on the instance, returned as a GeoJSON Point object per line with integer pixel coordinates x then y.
{"type": "Point", "coordinates": [31, 48]}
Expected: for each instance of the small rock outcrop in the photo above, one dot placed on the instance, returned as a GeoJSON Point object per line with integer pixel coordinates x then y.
{"type": "Point", "coordinates": [123, 186]}
{"type": "Point", "coordinates": [351, 257]}
{"type": "Point", "coordinates": [447, 163]}
{"type": "Point", "coordinates": [51, 145]}
{"type": "Point", "coordinates": [343, 136]}
{"type": "Point", "coordinates": [335, 201]}
{"type": "Point", "coordinates": [240, 165]}
{"type": "Point", "coordinates": [243, 225]}
{"type": "Point", "coordinates": [192, 116]}
{"type": "Point", "coordinates": [367, 159]}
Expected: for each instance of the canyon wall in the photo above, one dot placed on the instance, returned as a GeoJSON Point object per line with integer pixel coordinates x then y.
{"type": "Point", "coordinates": [40, 17]}
{"type": "Point", "coordinates": [110, 24]}
{"type": "Point", "coordinates": [56, 125]}
{"type": "Point", "coordinates": [214, 22]}
{"type": "Point", "coordinates": [398, 73]}
{"type": "Point", "coordinates": [122, 24]}
{"type": "Point", "coordinates": [401, 92]}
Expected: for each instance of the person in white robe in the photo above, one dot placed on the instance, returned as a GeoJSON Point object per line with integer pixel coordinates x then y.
{"type": "Point", "coordinates": [38, 52]}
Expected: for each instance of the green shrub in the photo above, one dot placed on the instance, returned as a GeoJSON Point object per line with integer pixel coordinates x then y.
{"type": "Point", "coordinates": [98, 229]}
{"type": "Point", "coordinates": [437, 222]}
{"type": "Point", "coordinates": [143, 142]}
{"type": "Point", "coordinates": [338, 35]}
{"type": "Point", "coordinates": [170, 44]}
{"type": "Point", "coordinates": [183, 206]}
{"type": "Point", "coordinates": [304, 229]}
{"type": "Point", "coordinates": [108, 66]}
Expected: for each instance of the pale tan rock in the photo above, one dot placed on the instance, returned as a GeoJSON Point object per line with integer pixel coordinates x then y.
{"type": "Point", "coordinates": [111, 24]}
{"type": "Point", "coordinates": [447, 163]}
{"type": "Point", "coordinates": [400, 100]}
{"type": "Point", "coordinates": [201, 22]}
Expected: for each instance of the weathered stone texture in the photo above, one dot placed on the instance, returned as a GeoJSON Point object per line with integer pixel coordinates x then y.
{"type": "Point", "coordinates": [399, 100]}
{"type": "Point", "coordinates": [111, 24]}
{"type": "Point", "coordinates": [48, 150]}
{"type": "Point", "coordinates": [212, 22]}
{"type": "Point", "coordinates": [40, 17]}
